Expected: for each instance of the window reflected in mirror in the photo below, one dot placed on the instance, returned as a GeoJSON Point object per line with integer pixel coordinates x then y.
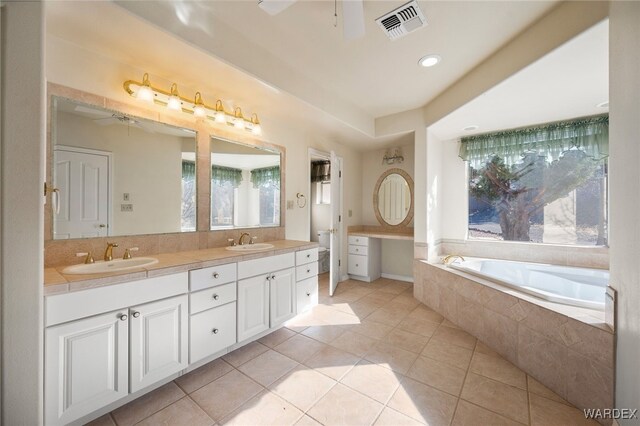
{"type": "Point", "coordinates": [245, 186]}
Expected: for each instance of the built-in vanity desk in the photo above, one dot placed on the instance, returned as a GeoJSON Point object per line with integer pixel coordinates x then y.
{"type": "Point", "coordinates": [365, 252]}
{"type": "Point", "coordinates": [110, 338]}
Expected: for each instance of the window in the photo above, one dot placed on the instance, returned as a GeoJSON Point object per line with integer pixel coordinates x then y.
{"type": "Point", "coordinates": [267, 181]}
{"type": "Point", "coordinates": [224, 184]}
{"type": "Point", "coordinates": [323, 192]}
{"type": "Point", "coordinates": [546, 184]}
{"type": "Point", "coordinates": [188, 210]}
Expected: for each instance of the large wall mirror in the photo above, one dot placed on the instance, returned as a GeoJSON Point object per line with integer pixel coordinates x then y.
{"type": "Point", "coordinates": [245, 185]}
{"type": "Point", "coordinates": [119, 175]}
{"type": "Point", "coordinates": [393, 198]}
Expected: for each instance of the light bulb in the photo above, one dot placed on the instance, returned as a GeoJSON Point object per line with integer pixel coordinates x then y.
{"type": "Point", "coordinates": [429, 60]}
{"type": "Point", "coordinates": [238, 123]}
{"type": "Point", "coordinates": [145, 93]}
{"type": "Point", "coordinates": [220, 117]}
{"type": "Point", "coordinates": [199, 111]}
{"type": "Point", "coordinates": [257, 129]}
{"type": "Point", "coordinates": [174, 102]}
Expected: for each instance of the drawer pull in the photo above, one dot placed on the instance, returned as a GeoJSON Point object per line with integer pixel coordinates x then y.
{"type": "Point", "coordinates": [123, 317]}
{"type": "Point", "coordinates": [136, 314]}
{"type": "Point", "coordinates": [215, 275]}
{"type": "Point", "coordinates": [215, 331]}
{"type": "Point", "coordinates": [216, 297]}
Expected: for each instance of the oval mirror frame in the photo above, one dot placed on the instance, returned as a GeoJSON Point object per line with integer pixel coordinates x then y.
{"type": "Point", "coordinates": [376, 189]}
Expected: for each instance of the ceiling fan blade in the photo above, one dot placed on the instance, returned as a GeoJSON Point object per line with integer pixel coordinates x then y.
{"type": "Point", "coordinates": [352, 19]}
{"type": "Point", "coordinates": [273, 7]}
{"type": "Point", "coordinates": [107, 121]}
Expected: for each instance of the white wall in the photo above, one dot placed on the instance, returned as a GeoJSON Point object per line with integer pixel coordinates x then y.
{"type": "Point", "coordinates": [624, 196]}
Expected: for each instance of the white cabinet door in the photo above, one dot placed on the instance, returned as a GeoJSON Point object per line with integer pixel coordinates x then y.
{"type": "Point", "coordinates": [253, 306]}
{"type": "Point", "coordinates": [86, 365]}
{"type": "Point", "coordinates": [159, 346]}
{"type": "Point", "coordinates": [283, 296]}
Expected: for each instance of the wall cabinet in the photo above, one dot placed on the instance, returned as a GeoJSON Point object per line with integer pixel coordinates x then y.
{"type": "Point", "coordinates": [364, 258]}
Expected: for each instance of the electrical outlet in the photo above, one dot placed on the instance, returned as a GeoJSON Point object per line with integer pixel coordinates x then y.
{"type": "Point", "coordinates": [289, 204]}
{"type": "Point", "coordinates": [125, 196]}
{"type": "Point", "coordinates": [126, 207]}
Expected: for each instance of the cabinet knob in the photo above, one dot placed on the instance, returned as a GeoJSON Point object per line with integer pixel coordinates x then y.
{"type": "Point", "coordinates": [216, 297]}
{"type": "Point", "coordinates": [215, 331]}
{"type": "Point", "coordinates": [308, 256]}
{"type": "Point", "coordinates": [123, 317]}
{"type": "Point", "coordinates": [357, 249]}
{"type": "Point", "coordinates": [308, 270]}
{"type": "Point", "coordinates": [135, 314]}
{"type": "Point", "coordinates": [308, 294]}
{"type": "Point", "coordinates": [215, 275]}
{"type": "Point", "coordinates": [268, 277]}
{"type": "Point", "coordinates": [357, 264]}
{"type": "Point", "coordinates": [273, 277]}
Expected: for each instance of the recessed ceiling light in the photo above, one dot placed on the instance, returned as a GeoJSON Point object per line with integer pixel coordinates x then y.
{"type": "Point", "coordinates": [604, 104]}
{"type": "Point", "coordinates": [470, 128]}
{"type": "Point", "coordinates": [429, 60]}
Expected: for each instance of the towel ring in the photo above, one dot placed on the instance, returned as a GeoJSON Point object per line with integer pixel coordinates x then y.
{"type": "Point", "coordinates": [302, 201]}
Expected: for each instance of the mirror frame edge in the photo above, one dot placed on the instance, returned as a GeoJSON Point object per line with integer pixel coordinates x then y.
{"type": "Point", "coordinates": [376, 189]}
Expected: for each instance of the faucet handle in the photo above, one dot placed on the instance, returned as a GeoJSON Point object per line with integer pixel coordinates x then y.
{"type": "Point", "coordinates": [88, 258]}
{"type": "Point", "coordinates": [127, 252]}
{"type": "Point", "coordinates": [112, 244]}
{"type": "Point", "coordinates": [253, 239]}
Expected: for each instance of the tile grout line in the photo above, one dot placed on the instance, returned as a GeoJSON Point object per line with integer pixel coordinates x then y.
{"type": "Point", "coordinates": [464, 381]}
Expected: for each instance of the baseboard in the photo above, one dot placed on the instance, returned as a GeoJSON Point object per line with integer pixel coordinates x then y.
{"type": "Point", "coordinates": [397, 277]}
{"type": "Point", "coordinates": [344, 277]}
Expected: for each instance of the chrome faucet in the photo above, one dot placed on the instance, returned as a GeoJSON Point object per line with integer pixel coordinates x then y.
{"type": "Point", "coordinates": [450, 258]}
{"type": "Point", "coordinates": [244, 234]}
{"type": "Point", "coordinates": [108, 253]}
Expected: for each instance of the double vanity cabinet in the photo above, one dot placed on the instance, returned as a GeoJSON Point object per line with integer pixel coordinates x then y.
{"type": "Point", "coordinates": [106, 343]}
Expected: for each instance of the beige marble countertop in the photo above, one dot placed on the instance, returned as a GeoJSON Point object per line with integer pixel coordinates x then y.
{"type": "Point", "coordinates": [56, 282]}
{"type": "Point", "coordinates": [385, 235]}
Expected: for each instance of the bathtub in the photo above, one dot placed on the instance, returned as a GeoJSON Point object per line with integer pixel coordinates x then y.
{"type": "Point", "coordinates": [562, 284]}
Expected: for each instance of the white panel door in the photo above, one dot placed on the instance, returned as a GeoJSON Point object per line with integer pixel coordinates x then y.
{"type": "Point", "coordinates": [86, 366]}
{"type": "Point", "coordinates": [253, 306]}
{"type": "Point", "coordinates": [82, 178]}
{"type": "Point", "coordinates": [159, 341]}
{"type": "Point", "coordinates": [336, 225]}
{"type": "Point", "coordinates": [283, 296]}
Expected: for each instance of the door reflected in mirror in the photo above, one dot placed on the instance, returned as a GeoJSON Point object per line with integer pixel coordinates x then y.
{"type": "Point", "coordinates": [393, 198]}
{"type": "Point", "coordinates": [245, 186]}
{"type": "Point", "coordinates": [119, 175]}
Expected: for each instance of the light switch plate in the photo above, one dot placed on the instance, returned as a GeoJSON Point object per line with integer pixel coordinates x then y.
{"type": "Point", "coordinates": [289, 204]}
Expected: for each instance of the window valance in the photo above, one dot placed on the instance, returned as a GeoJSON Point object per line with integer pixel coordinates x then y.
{"type": "Point", "coordinates": [320, 171]}
{"type": "Point", "coordinates": [266, 176]}
{"type": "Point", "coordinates": [222, 175]}
{"type": "Point", "coordinates": [588, 134]}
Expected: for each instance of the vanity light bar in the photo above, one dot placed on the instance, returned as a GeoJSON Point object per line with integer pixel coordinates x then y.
{"type": "Point", "coordinates": [172, 100]}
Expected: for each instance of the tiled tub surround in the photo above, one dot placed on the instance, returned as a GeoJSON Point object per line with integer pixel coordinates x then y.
{"type": "Point", "coordinates": [570, 350]}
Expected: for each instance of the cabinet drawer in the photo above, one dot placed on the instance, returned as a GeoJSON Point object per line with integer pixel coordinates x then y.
{"type": "Point", "coordinates": [306, 271]}
{"type": "Point", "coordinates": [212, 331]}
{"type": "Point", "coordinates": [363, 250]}
{"type": "Point", "coordinates": [265, 265]}
{"type": "Point", "coordinates": [306, 256]}
{"type": "Point", "coordinates": [358, 264]}
{"type": "Point", "coordinates": [307, 294]}
{"type": "Point", "coordinates": [212, 297]}
{"type": "Point", "coordinates": [359, 241]}
{"type": "Point", "coordinates": [209, 277]}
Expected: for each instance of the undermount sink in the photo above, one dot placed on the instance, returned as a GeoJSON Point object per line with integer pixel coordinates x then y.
{"type": "Point", "coordinates": [251, 247]}
{"type": "Point", "coordinates": [116, 265]}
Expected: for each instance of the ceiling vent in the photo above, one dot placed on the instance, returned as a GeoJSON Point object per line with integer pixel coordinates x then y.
{"type": "Point", "coordinates": [402, 21]}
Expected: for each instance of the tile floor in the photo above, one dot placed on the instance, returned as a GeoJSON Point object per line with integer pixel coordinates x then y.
{"type": "Point", "coordinates": [371, 354]}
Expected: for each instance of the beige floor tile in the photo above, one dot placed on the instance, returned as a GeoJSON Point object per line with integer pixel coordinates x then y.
{"type": "Point", "coordinates": [372, 329]}
{"type": "Point", "coordinates": [329, 315]}
{"type": "Point", "coordinates": [406, 340]}
{"type": "Point", "coordinates": [268, 367]}
{"type": "Point", "coordinates": [438, 374]}
{"type": "Point", "coordinates": [498, 397]}
{"type": "Point", "coordinates": [468, 414]}
{"type": "Point", "coordinates": [377, 297]}
{"type": "Point", "coordinates": [344, 406]}
{"type": "Point", "coordinates": [245, 353]}
{"type": "Point", "coordinates": [324, 333]}
{"type": "Point", "coordinates": [538, 388]}
{"type": "Point", "coordinates": [299, 347]}
{"type": "Point", "coordinates": [225, 394]}
{"type": "Point", "coordinates": [370, 379]}
{"type": "Point", "coordinates": [332, 362]}
{"type": "Point", "coordinates": [406, 299]}
{"type": "Point", "coordinates": [361, 308]}
{"type": "Point", "coordinates": [302, 387]}
{"type": "Point", "coordinates": [547, 412]}
{"type": "Point", "coordinates": [265, 409]}
{"type": "Point", "coordinates": [449, 354]}
{"type": "Point", "coordinates": [424, 313]}
{"type": "Point", "coordinates": [419, 326]}
{"type": "Point", "coordinates": [423, 403]}
{"type": "Point", "coordinates": [388, 356]}
{"type": "Point", "coordinates": [307, 421]}
{"type": "Point", "coordinates": [390, 317]}
{"type": "Point", "coordinates": [274, 339]}
{"type": "Point", "coordinates": [357, 344]}
{"type": "Point", "coordinates": [448, 323]}
{"type": "Point", "coordinates": [395, 287]}
{"type": "Point", "coordinates": [204, 375]}
{"type": "Point", "coordinates": [105, 420]}
{"type": "Point", "coordinates": [184, 412]}
{"type": "Point", "coordinates": [499, 369]}
{"type": "Point", "coordinates": [390, 417]}
{"type": "Point", "coordinates": [484, 349]}
{"type": "Point", "coordinates": [146, 405]}
{"type": "Point", "coordinates": [455, 336]}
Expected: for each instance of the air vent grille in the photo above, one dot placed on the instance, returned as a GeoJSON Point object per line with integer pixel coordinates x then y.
{"type": "Point", "coordinates": [402, 21]}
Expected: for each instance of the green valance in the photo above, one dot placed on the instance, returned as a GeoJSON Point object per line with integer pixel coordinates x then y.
{"type": "Point", "coordinates": [188, 169]}
{"type": "Point", "coordinates": [265, 177]}
{"type": "Point", "coordinates": [222, 175]}
{"type": "Point", "coordinates": [589, 134]}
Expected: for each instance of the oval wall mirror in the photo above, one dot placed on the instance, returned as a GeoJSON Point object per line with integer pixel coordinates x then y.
{"type": "Point", "coordinates": [393, 198]}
